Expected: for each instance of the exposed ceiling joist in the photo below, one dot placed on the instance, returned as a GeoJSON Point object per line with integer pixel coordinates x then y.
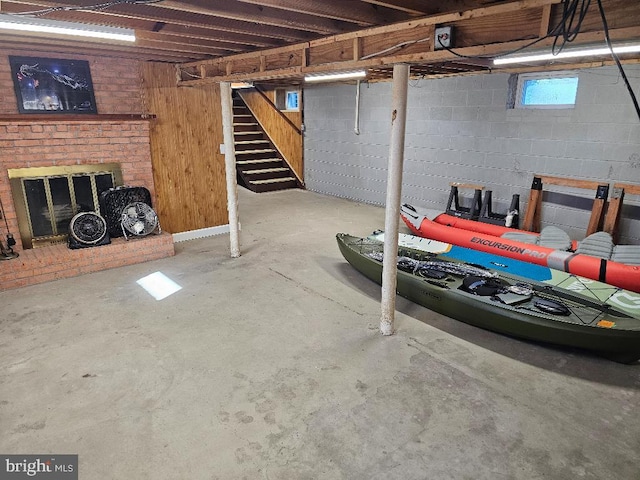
{"type": "Point", "coordinates": [234, 10]}
{"type": "Point", "coordinates": [353, 11]}
{"type": "Point", "coordinates": [413, 7]}
{"type": "Point", "coordinates": [413, 41]}
{"type": "Point", "coordinates": [219, 39]}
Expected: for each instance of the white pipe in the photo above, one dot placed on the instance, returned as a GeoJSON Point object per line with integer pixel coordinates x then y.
{"type": "Point", "coordinates": [394, 191]}
{"type": "Point", "coordinates": [230, 166]}
{"type": "Point", "coordinates": [356, 127]}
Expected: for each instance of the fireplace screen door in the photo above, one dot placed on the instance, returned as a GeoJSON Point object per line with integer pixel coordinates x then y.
{"type": "Point", "coordinates": [47, 198]}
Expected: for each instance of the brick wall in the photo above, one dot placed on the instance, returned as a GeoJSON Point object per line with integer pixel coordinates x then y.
{"type": "Point", "coordinates": [31, 144]}
{"type": "Point", "coordinates": [459, 129]}
{"type": "Point", "coordinates": [55, 262]}
{"type": "Point", "coordinates": [28, 143]}
{"type": "Point", "coordinates": [116, 82]}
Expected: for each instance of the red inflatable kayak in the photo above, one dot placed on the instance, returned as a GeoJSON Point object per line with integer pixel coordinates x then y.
{"type": "Point", "coordinates": [480, 227]}
{"type": "Point", "coordinates": [486, 238]}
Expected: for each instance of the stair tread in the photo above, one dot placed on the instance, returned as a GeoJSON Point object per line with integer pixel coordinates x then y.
{"type": "Point", "coordinates": [257, 160]}
{"type": "Point", "coordinates": [248, 152]}
{"type": "Point", "coordinates": [267, 170]}
{"type": "Point", "coordinates": [272, 180]}
{"type": "Point", "coordinates": [257, 132]}
{"type": "Point", "coordinates": [250, 142]}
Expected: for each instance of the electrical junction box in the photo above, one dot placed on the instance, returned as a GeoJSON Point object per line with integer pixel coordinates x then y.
{"type": "Point", "coordinates": [443, 38]}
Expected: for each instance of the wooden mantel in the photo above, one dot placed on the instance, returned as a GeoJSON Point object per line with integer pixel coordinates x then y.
{"type": "Point", "coordinates": [52, 117]}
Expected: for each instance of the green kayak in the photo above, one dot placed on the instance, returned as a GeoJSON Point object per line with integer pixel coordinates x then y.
{"type": "Point", "coordinates": [503, 303]}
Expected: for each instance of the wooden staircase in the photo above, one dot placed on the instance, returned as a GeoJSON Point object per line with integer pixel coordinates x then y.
{"type": "Point", "coordinates": [259, 165]}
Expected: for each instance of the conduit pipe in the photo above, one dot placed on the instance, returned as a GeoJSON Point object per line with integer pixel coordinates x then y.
{"type": "Point", "coordinates": [356, 127]}
{"type": "Point", "coordinates": [394, 191]}
{"type": "Point", "coordinates": [230, 167]}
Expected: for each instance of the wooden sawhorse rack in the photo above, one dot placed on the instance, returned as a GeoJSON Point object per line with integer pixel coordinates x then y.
{"type": "Point", "coordinates": [612, 220]}
{"type": "Point", "coordinates": [532, 216]}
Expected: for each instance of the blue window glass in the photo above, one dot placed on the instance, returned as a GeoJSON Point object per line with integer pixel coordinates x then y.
{"type": "Point", "coordinates": [292, 101]}
{"type": "Point", "coordinates": [553, 91]}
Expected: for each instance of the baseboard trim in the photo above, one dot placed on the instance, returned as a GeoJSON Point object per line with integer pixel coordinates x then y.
{"type": "Point", "coordinates": [201, 233]}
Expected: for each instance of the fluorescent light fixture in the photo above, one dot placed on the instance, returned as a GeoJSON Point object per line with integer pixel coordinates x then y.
{"type": "Point", "coordinates": [587, 52]}
{"type": "Point", "coordinates": [238, 85]}
{"type": "Point", "coordinates": [327, 77]}
{"type": "Point", "coordinates": [158, 285]}
{"type": "Point", "coordinates": [41, 25]}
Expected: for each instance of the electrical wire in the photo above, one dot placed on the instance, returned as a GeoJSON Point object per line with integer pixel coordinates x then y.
{"type": "Point", "coordinates": [394, 47]}
{"type": "Point", "coordinates": [4, 216]}
{"type": "Point", "coordinates": [564, 29]}
{"type": "Point", "coordinates": [95, 7]}
{"type": "Point", "coordinates": [567, 30]}
{"type": "Point", "coordinates": [605, 26]}
{"type": "Point", "coordinates": [189, 74]}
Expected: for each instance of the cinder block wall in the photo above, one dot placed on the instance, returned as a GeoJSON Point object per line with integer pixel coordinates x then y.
{"type": "Point", "coordinates": [459, 129]}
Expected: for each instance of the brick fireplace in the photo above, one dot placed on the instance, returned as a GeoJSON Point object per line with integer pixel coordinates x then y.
{"type": "Point", "coordinates": [113, 137]}
{"type": "Point", "coordinates": [27, 143]}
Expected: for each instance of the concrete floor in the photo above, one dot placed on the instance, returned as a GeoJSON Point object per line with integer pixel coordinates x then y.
{"type": "Point", "coordinates": [270, 366]}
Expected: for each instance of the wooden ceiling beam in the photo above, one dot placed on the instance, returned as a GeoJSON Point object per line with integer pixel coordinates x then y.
{"type": "Point", "coordinates": [152, 25]}
{"type": "Point", "coordinates": [352, 11]}
{"type": "Point", "coordinates": [413, 7]}
{"type": "Point", "coordinates": [224, 38]}
{"type": "Point", "coordinates": [34, 43]}
{"type": "Point", "coordinates": [258, 14]}
{"type": "Point", "coordinates": [336, 53]}
{"type": "Point", "coordinates": [420, 7]}
{"type": "Point", "coordinates": [391, 41]}
{"type": "Point", "coordinates": [268, 37]}
{"type": "Point", "coordinates": [168, 40]}
{"type": "Point", "coordinates": [167, 16]}
{"type": "Point", "coordinates": [158, 43]}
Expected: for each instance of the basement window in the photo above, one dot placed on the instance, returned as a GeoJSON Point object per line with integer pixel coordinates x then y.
{"type": "Point", "coordinates": [288, 100]}
{"type": "Point", "coordinates": [546, 90]}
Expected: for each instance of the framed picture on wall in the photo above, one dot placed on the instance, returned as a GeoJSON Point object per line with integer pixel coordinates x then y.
{"type": "Point", "coordinates": [47, 85]}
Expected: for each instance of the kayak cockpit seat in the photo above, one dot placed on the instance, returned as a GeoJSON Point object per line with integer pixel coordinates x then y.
{"type": "Point", "coordinates": [629, 254]}
{"type": "Point", "coordinates": [600, 245]}
{"type": "Point", "coordinates": [554, 237]}
{"type": "Point", "coordinates": [550, 237]}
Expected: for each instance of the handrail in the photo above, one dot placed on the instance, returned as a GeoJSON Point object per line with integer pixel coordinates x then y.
{"type": "Point", "coordinates": [286, 119]}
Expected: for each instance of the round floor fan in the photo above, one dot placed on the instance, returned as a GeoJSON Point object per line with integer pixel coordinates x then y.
{"type": "Point", "coordinates": [87, 229]}
{"type": "Point", "coordinates": [138, 219]}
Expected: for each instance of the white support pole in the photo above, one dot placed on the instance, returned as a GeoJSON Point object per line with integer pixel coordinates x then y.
{"type": "Point", "coordinates": [230, 166]}
{"type": "Point", "coordinates": [394, 191]}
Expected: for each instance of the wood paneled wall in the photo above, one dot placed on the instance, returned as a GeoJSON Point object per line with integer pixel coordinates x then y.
{"type": "Point", "coordinates": [188, 169]}
{"type": "Point", "coordinates": [286, 138]}
{"type": "Point", "coordinates": [295, 117]}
